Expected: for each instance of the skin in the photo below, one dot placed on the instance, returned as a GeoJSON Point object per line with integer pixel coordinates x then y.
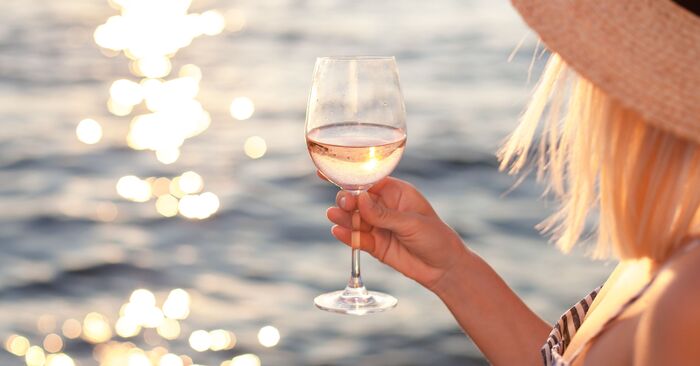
{"type": "Point", "coordinates": [401, 229]}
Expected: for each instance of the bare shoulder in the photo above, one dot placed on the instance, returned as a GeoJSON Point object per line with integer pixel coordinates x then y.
{"type": "Point", "coordinates": [669, 329]}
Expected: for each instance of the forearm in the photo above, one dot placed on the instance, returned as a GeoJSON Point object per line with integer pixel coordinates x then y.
{"type": "Point", "coordinates": [498, 321]}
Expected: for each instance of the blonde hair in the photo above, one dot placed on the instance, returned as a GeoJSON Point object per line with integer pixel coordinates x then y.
{"type": "Point", "coordinates": [597, 154]}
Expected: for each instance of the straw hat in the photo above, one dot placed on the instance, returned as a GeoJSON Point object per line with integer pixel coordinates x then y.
{"type": "Point", "coordinates": [644, 53]}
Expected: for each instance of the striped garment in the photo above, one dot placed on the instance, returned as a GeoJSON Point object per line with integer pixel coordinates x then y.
{"type": "Point", "coordinates": [565, 329]}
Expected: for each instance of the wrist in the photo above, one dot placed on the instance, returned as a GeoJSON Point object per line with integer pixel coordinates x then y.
{"type": "Point", "coordinates": [456, 273]}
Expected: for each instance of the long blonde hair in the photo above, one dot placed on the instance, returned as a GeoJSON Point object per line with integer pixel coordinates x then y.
{"type": "Point", "coordinates": [597, 154]}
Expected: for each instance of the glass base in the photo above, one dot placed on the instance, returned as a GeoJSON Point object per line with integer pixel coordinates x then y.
{"type": "Point", "coordinates": [355, 301]}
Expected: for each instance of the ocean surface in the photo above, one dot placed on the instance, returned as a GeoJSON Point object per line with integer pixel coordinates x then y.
{"type": "Point", "coordinates": [266, 253]}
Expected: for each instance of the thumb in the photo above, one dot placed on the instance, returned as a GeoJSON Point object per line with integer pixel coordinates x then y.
{"type": "Point", "coordinates": [377, 214]}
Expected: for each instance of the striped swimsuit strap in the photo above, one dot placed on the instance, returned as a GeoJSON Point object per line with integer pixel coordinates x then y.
{"type": "Point", "coordinates": [565, 329]}
{"type": "Point", "coordinates": [634, 298]}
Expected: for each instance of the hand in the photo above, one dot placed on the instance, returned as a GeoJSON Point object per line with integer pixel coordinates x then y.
{"type": "Point", "coordinates": [401, 229]}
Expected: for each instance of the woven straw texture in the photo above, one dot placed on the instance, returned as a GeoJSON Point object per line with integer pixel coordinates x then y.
{"type": "Point", "coordinates": [644, 53]}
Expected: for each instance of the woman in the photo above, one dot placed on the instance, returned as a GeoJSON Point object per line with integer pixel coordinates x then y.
{"type": "Point", "coordinates": [621, 135]}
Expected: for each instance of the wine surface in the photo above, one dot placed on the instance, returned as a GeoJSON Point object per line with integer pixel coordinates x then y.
{"type": "Point", "coordinates": [355, 155]}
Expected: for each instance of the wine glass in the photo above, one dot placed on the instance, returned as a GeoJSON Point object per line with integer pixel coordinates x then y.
{"type": "Point", "coordinates": [356, 134]}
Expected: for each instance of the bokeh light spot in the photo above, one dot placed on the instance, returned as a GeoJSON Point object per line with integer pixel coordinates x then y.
{"type": "Point", "coordinates": [153, 66]}
{"type": "Point", "coordinates": [60, 359]}
{"type": "Point", "coordinates": [142, 297]}
{"type": "Point", "coordinates": [89, 131]}
{"type": "Point", "coordinates": [177, 304]}
{"type": "Point", "coordinates": [193, 206]}
{"type": "Point", "coordinates": [247, 359]}
{"type": "Point", "coordinates": [160, 186]}
{"type": "Point", "coordinates": [119, 110]}
{"type": "Point", "coordinates": [268, 336]}
{"type": "Point", "coordinates": [255, 147]}
{"type": "Point", "coordinates": [138, 359]}
{"type": "Point", "coordinates": [211, 22]}
{"type": "Point", "coordinates": [127, 327]}
{"type": "Point", "coordinates": [126, 92]}
{"type": "Point", "coordinates": [17, 345]}
{"type": "Point", "coordinates": [222, 340]}
{"type": "Point", "coordinates": [210, 203]}
{"type": "Point", "coordinates": [96, 328]}
{"type": "Point", "coordinates": [175, 188]}
{"type": "Point", "coordinates": [53, 343]}
{"type": "Point", "coordinates": [134, 189]}
{"type": "Point", "coordinates": [191, 182]}
{"type": "Point", "coordinates": [167, 205]}
{"type": "Point", "coordinates": [242, 108]}
{"type": "Point", "coordinates": [200, 340]}
{"type": "Point", "coordinates": [71, 328]}
{"type": "Point", "coordinates": [152, 317]}
{"type": "Point", "coordinates": [189, 207]}
{"type": "Point", "coordinates": [187, 360]}
{"type": "Point", "coordinates": [169, 329]}
{"type": "Point", "coordinates": [170, 359]}
{"type": "Point", "coordinates": [168, 156]}
{"type": "Point", "coordinates": [35, 356]}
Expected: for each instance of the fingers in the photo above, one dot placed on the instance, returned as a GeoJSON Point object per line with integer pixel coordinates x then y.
{"type": "Point", "coordinates": [390, 183]}
{"type": "Point", "coordinates": [403, 195]}
{"type": "Point", "coordinates": [344, 218]}
{"type": "Point", "coordinates": [377, 214]}
{"type": "Point", "coordinates": [368, 242]}
{"type": "Point", "coordinates": [377, 187]}
{"type": "Point", "coordinates": [346, 200]}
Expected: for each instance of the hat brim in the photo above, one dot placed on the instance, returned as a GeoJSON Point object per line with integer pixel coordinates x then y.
{"type": "Point", "coordinates": [644, 53]}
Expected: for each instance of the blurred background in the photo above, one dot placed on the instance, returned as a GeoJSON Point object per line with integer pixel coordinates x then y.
{"type": "Point", "coordinates": [159, 206]}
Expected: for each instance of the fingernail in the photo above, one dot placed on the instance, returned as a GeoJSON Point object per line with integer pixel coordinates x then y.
{"type": "Point", "coordinates": [342, 202]}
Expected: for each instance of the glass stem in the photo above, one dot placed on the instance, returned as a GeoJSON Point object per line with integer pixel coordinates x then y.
{"type": "Point", "coordinates": [355, 279]}
{"type": "Point", "coordinates": [355, 285]}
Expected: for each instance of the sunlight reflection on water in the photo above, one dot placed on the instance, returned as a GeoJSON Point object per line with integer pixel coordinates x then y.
{"type": "Point", "coordinates": [150, 33]}
{"type": "Point", "coordinates": [140, 313]}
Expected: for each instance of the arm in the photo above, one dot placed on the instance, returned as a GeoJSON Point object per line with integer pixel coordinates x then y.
{"type": "Point", "coordinates": [401, 229]}
{"type": "Point", "coordinates": [498, 321]}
